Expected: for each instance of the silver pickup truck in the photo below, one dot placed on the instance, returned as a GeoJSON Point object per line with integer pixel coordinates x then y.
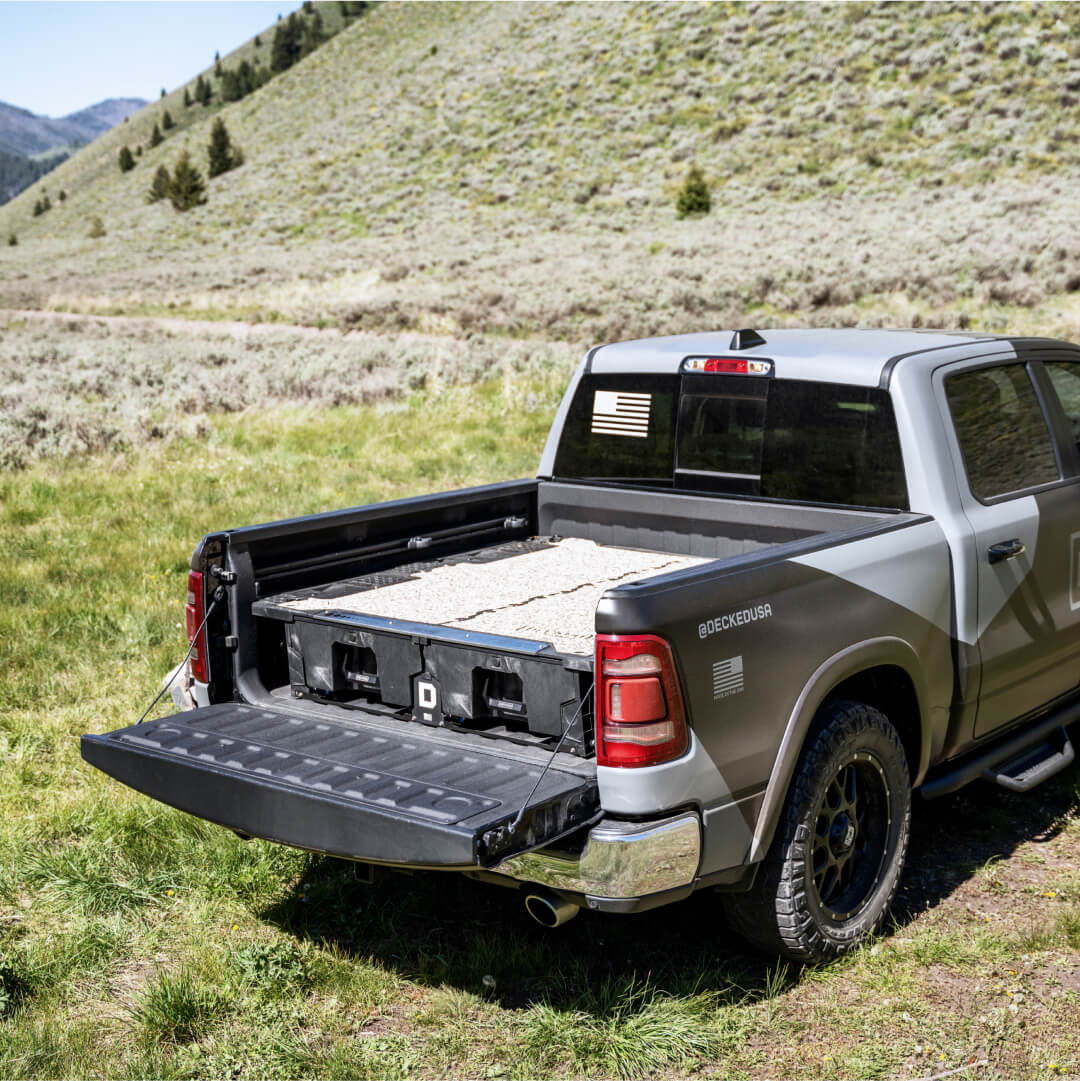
{"type": "Point", "coordinates": [764, 586]}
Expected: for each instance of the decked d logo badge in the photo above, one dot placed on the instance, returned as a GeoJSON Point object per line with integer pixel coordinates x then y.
{"type": "Point", "coordinates": [426, 697]}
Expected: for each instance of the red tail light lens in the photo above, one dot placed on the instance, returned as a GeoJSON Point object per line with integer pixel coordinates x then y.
{"type": "Point", "coordinates": [194, 613]}
{"type": "Point", "coordinates": [640, 720]}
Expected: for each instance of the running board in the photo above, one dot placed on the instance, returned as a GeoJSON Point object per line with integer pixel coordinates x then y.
{"type": "Point", "coordinates": [1035, 765]}
{"type": "Point", "coordinates": [1025, 758]}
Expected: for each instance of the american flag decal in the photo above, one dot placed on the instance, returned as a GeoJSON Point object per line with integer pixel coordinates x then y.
{"type": "Point", "coordinates": [727, 677]}
{"type": "Point", "coordinates": [615, 413]}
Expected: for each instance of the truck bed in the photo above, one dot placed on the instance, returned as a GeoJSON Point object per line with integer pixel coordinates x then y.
{"type": "Point", "coordinates": [547, 590]}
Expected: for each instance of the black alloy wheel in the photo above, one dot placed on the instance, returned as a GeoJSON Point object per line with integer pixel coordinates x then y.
{"type": "Point", "coordinates": [832, 869]}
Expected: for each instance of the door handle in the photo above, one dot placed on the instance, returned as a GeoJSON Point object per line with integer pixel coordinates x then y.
{"type": "Point", "coordinates": [1005, 550]}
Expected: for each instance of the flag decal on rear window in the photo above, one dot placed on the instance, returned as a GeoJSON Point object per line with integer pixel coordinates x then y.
{"type": "Point", "coordinates": [616, 413]}
{"type": "Point", "coordinates": [727, 677]}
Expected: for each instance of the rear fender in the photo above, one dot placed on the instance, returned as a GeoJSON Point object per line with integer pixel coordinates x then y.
{"type": "Point", "coordinates": [873, 653]}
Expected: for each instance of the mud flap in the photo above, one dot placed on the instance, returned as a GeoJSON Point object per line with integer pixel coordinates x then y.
{"type": "Point", "coordinates": [390, 792]}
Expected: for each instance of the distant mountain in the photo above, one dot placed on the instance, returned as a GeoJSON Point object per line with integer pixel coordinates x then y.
{"type": "Point", "coordinates": [27, 134]}
{"type": "Point", "coordinates": [32, 145]}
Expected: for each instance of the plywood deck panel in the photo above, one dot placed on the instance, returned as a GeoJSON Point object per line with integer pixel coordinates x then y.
{"type": "Point", "coordinates": [549, 595]}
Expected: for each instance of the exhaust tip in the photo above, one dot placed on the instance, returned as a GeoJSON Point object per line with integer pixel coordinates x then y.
{"type": "Point", "coordinates": [549, 910]}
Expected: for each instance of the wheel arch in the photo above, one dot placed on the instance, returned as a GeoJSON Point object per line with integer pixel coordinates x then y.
{"type": "Point", "coordinates": [882, 672]}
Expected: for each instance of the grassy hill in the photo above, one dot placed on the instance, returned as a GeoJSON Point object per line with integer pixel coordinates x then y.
{"type": "Point", "coordinates": [511, 169]}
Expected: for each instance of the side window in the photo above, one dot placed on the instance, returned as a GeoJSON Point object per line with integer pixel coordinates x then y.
{"type": "Point", "coordinates": [1001, 429]}
{"type": "Point", "coordinates": [1065, 376]}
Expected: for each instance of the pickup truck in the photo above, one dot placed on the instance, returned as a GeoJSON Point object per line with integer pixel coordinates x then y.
{"type": "Point", "coordinates": [764, 587]}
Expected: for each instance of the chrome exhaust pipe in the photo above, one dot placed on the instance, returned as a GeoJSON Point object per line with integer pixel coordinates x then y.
{"type": "Point", "coordinates": [548, 909]}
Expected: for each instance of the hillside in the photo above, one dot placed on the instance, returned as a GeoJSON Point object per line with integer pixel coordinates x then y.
{"type": "Point", "coordinates": [512, 169]}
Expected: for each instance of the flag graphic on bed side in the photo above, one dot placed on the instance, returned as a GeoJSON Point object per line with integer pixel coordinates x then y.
{"type": "Point", "coordinates": [727, 677]}
{"type": "Point", "coordinates": [615, 413]}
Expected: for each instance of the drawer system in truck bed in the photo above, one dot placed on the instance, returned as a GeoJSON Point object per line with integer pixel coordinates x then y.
{"type": "Point", "coordinates": [497, 641]}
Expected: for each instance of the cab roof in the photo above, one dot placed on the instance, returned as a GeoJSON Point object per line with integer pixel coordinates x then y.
{"type": "Point", "coordinates": [841, 356]}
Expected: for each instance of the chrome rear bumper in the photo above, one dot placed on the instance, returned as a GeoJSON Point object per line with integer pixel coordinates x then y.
{"type": "Point", "coordinates": [619, 860]}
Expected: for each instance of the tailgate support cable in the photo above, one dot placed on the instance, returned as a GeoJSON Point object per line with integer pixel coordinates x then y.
{"type": "Point", "coordinates": [218, 595]}
{"type": "Point", "coordinates": [547, 765]}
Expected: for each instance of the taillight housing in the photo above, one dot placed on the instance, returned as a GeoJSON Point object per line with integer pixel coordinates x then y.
{"type": "Point", "coordinates": [194, 612]}
{"type": "Point", "coordinates": [640, 718]}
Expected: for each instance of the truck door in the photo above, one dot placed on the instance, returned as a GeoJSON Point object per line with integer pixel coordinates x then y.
{"type": "Point", "coordinates": [1020, 495]}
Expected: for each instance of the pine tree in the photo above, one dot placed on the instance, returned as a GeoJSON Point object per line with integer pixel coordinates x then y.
{"type": "Point", "coordinates": [46, 204]}
{"type": "Point", "coordinates": [313, 34]}
{"type": "Point", "coordinates": [63, 195]}
{"type": "Point", "coordinates": [38, 209]}
{"type": "Point", "coordinates": [12, 240]}
{"type": "Point", "coordinates": [160, 185]}
{"type": "Point", "coordinates": [127, 162]}
{"type": "Point", "coordinates": [258, 42]}
{"type": "Point", "coordinates": [203, 91]}
{"type": "Point", "coordinates": [167, 121]}
{"type": "Point", "coordinates": [163, 91]}
{"type": "Point", "coordinates": [187, 98]}
{"type": "Point", "coordinates": [221, 154]}
{"type": "Point", "coordinates": [187, 188]}
{"type": "Point", "coordinates": [156, 138]}
{"type": "Point", "coordinates": [286, 46]}
{"type": "Point", "coordinates": [693, 200]}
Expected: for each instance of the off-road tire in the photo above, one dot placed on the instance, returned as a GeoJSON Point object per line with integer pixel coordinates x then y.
{"type": "Point", "coordinates": [784, 912]}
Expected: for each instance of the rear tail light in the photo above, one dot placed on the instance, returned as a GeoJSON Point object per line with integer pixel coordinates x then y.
{"type": "Point", "coordinates": [194, 612]}
{"type": "Point", "coordinates": [640, 719]}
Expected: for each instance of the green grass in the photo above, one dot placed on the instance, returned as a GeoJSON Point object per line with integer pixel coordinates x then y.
{"type": "Point", "coordinates": [137, 941]}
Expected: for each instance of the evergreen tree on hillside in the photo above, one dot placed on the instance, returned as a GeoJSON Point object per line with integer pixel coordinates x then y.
{"type": "Point", "coordinates": [63, 195]}
{"type": "Point", "coordinates": [12, 240]}
{"type": "Point", "coordinates": [203, 91]}
{"type": "Point", "coordinates": [126, 161]}
{"type": "Point", "coordinates": [159, 186]}
{"type": "Point", "coordinates": [258, 42]}
{"type": "Point", "coordinates": [239, 82]}
{"type": "Point", "coordinates": [187, 98]}
{"type": "Point", "coordinates": [693, 200]}
{"type": "Point", "coordinates": [187, 188]}
{"type": "Point", "coordinates": [46, 204]}
{"type": "Point", "coordinates": [38, 209]}
{"type": "Point", "coordinates": [221, 154]}
{"type": "Point", "coordinates": [156, 138]}
{"type": "Point", "coordinates": [167, 121]}
{"type": "Point", "coordinates": [313, 34]}
{"type": "Point", "coordinates": [286, 46]}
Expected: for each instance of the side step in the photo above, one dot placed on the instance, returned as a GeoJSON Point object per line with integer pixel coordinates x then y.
{"type": "Point", "coordinates": [1035, 765]}
{"type": "Point", "coordinates": [1018, 761]}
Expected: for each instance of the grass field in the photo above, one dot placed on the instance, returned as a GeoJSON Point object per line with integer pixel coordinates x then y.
{"type": "Point", "coordinates": [138, 941]}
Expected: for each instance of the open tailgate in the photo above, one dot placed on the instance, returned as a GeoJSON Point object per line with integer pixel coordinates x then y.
{"type": "Point", "coordinates": [396, 793]}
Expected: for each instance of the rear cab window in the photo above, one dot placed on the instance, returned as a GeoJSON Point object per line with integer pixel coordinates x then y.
{"type": "Point", "coordinates": [736, 435]}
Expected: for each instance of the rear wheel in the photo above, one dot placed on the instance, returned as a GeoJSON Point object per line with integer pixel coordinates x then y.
{"type": "Point", "coordinates": [833, 867]}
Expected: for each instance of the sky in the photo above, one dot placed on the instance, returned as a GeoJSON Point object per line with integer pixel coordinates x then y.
{"type": "Point", "coordinates": [59, 57]}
